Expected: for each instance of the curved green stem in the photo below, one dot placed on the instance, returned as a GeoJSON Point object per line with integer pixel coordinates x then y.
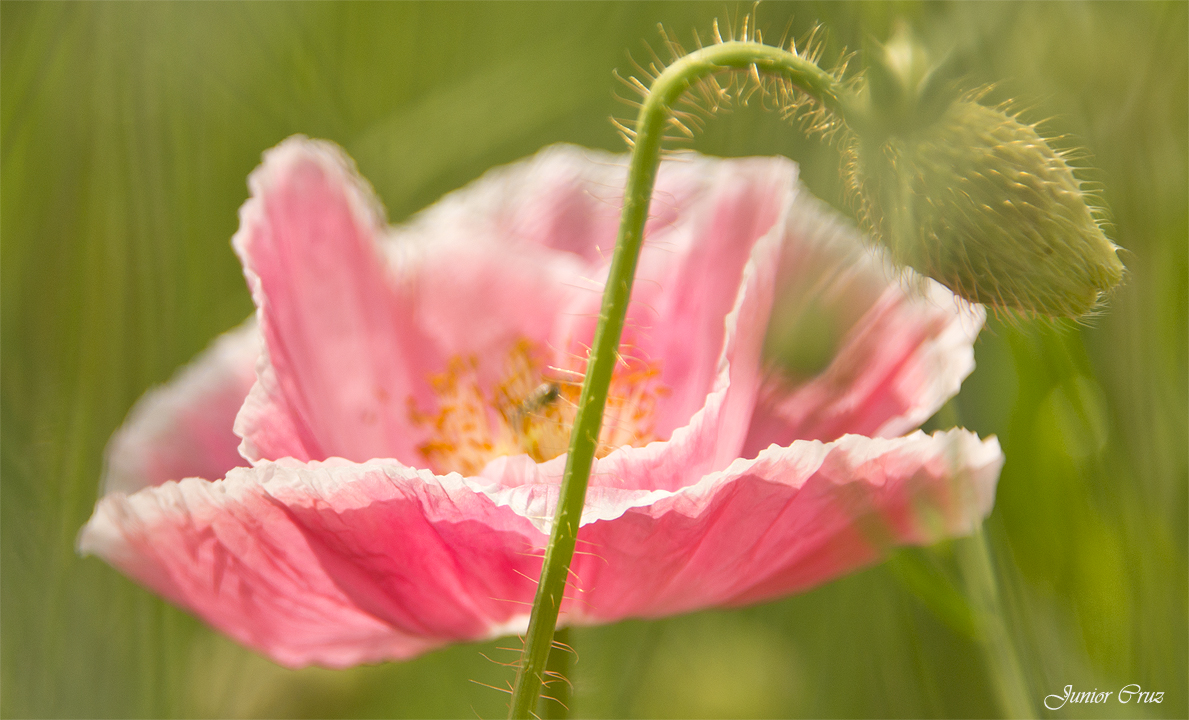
{"type": "Point", "coordinates": [650, 125]}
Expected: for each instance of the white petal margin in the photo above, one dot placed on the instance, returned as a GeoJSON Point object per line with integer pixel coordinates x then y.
{"type": "Point", "coordinates": [338, 563]}
{"type": "Point", "coordinates": [232, 555]}
{"type": "Point", "coordinates": [792, 518]}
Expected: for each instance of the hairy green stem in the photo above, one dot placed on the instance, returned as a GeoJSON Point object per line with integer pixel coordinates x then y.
{"type": "Point", "coordinates": [655, 113]}
{"type": "Point", "coordinates": [555, 701]}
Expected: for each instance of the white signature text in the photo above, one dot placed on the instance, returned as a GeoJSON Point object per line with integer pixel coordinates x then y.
{"type": "Point", "coordinates": [1125, 695]}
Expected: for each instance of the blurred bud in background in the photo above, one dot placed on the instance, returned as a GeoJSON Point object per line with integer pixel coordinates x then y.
{"type": "Point", "coordinates": [971, 196]}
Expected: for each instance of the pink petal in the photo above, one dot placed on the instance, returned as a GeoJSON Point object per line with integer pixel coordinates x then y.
{"type": "Point", "coordinates": [333, 563]}
{"type": "Point", "coordinates": [790, 519]}
{"type": "Point", "coordinates": [558, 213]}
{"type": "Point", "coordinates": [709, 215]}
{"type": "Point", "coordinates": [342, 348]}
{"type": "Point", "coordinates": [907, 350]}
{"type": "Point", "coordinates": [338, 563]}
{"type": "Point", "coordinates": [711, 439]}
{"type": "Point", "coordinates": [481, 263]}
{"type": "Point", "coordinates": [355, 329]}
{"type": "Point", "coordinates": [565, 199]}
{"type": "Point", "coordinates": [355, 332]}
{"type": "Point", "coordinates": [183, 429]}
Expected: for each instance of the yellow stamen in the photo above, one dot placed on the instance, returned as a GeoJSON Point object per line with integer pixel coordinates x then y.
{"type": "Point", "coordinates": [530, 410]}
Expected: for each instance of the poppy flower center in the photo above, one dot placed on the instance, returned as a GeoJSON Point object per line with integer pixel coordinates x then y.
{"type": "Point", "coordinates": [529, 409]}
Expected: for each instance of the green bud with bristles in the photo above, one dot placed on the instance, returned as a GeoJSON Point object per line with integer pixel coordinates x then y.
{"type": "Point", "coordinates": [974, 198]}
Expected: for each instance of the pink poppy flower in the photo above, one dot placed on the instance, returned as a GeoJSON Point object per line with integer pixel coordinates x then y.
{"type": "Point", "coordinates": [402, 400]}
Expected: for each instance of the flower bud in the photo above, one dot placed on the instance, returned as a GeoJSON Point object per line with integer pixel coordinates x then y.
{"type": "Point", "coordinates": [972, 197]}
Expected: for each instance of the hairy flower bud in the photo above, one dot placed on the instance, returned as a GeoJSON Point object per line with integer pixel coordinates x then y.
{"type": "Point", "coordinates": [971, 196]}
{"type": "Point", "coordinates": [981, 203]}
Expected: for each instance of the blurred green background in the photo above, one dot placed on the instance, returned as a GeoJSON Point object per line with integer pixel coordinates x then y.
{"type": "Point", "coordinates": [126, 135]}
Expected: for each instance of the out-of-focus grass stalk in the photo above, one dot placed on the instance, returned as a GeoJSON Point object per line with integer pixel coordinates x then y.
{"type": "Point", "coordinates": [982, 588]}
{"type": "Point", "coordinates": [982, 594]}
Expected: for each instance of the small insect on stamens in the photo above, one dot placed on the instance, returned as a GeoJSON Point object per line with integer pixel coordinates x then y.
{"type": "Point", "coordinates": [540, 399]}
{"type": "Point", "coordinates": [534, 422]}
{"type": "Point", "coordinates": [545, 394]}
